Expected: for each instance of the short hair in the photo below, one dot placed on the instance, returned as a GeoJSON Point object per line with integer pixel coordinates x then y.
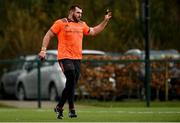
{"type": "Point", "coordinates": [73, 7]}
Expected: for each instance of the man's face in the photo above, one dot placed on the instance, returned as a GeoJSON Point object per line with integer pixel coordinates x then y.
{"type": "Point", "coordinates": [77, 13]}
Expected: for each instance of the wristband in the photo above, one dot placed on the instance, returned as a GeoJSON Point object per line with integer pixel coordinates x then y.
{"type": "Point", "coordinates": [43, 49]}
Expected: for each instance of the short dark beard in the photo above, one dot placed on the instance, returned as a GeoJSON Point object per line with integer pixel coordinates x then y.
{"type": "Point", "coordinates": [75, 19]}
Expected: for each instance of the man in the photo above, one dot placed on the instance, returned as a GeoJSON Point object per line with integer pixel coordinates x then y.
{"type": "Point", "coordinates": [69, 32]}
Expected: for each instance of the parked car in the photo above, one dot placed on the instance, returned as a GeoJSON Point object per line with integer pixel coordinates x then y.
{"type": "Point", "coordinates": [158, 68]}
{"type": "Point", "coordinates": [155, 54]}
{"type": "Point", "coordinates": [175, 82]}
{"type": "Point", "coordinates": [9, 78]}
{"type": "Point", "coordinates": [22, 81]}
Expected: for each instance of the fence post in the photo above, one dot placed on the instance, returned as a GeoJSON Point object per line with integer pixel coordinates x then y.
{"type": "Point", "coordinates": [166, 81]}
{"type": "Point", "coordinates": [147, 50]}
{"type": "Point", "coordinates": [39, 83]}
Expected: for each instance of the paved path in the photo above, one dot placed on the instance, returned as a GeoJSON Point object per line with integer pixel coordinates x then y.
{"type": "Point", "coordinates": [34, 104]}
{"type": "Point", "coordinates": [28, 104]}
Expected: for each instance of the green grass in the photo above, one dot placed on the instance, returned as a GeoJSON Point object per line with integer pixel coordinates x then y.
{"type": "Point", "coordinates": [102, 112]}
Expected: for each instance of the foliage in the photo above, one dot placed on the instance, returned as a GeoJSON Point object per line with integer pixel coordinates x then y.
{"type": "Point", "coordinates": [24, 23]}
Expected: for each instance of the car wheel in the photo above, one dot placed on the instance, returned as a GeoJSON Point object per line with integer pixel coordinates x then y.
{"type": "Point", "coordinates": [20, 92]}
{"type": "Point", "coordinates": [53, 93]}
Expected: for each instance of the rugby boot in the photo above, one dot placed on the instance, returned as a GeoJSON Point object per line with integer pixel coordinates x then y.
{"type": "Point", "coordinates": [59, 112]}
{"type": "Point", "coordinates": [72, 114]}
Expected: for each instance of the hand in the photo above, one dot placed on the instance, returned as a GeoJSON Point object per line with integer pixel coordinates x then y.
{"type": "Point", "coordinates": [108, 15]}
{"type": "Point", "coordinates": [42, 55]}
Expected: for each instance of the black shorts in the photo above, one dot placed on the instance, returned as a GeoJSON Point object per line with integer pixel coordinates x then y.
{"type": "Point", "coordinates": [70, 64]}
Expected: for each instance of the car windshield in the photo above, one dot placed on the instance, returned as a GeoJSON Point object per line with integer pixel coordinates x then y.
{"type": "Point", "coordinates": [155, 54]}
{"type": "Point", "coordinates": [29, 60]}
{"type": "Point", "coordinates": [161, 54]}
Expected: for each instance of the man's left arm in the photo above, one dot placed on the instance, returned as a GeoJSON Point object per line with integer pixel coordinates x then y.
{"type": "Point", "coordinates": [100, 27]}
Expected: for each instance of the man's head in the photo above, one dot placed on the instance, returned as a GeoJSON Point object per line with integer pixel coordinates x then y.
{"type": "Point", "coordinates": [75, 13]}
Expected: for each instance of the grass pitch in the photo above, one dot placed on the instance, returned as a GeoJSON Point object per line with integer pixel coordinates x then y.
{"type": "Point", "coordinates": [104, 113]}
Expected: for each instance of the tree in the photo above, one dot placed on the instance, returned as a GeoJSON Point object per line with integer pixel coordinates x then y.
{"type": "Point", "coordinates": [24, 24]}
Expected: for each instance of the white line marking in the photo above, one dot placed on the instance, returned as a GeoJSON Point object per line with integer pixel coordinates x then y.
{"type": "Point", "coordinates": [100, 112]}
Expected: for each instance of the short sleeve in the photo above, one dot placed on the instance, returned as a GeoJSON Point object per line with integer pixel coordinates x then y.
{"type": "Point", "coordinates": [86, 29]}
{"type": "Point", "coordinates": [56, 27]}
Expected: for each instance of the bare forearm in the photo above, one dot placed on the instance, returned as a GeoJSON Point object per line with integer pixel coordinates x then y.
{"type": "Point", "coordinates": [99, 28]}
{"type": "Point", "coordinates": [45, 42]}
{"type": "Point", "coordinates": [47, 38]}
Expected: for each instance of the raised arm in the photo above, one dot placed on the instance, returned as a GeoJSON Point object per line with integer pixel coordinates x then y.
{"type": "Point", "coordinates": [47, 38]}
{"type": "Point", "coordinates": [100, 27]}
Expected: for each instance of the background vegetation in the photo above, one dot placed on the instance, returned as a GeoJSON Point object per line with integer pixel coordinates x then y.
{"type": "Point", "coordinates": [23, 24]}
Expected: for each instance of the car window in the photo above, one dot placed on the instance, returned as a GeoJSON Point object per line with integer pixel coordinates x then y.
{"type": "Point", "coordinates": [30, 62]}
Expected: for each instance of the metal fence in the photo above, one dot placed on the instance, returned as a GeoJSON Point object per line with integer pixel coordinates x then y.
{"type": "Point", "coordinates": [104, 79]}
